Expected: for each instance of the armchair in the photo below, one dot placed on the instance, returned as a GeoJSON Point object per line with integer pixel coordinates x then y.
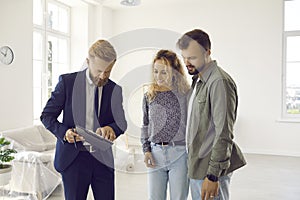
{"type": "Point", "coordinates": [33, 174]}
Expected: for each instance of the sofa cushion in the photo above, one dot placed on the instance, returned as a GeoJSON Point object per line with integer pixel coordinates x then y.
{"type": "Point", "coordinates": [48, 138]}
{"type": "Point", "coordinates": [27, 139]}
{"type": "Point", "coordinates": [34, 157]}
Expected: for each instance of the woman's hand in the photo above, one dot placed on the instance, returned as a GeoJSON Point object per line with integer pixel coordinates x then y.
{"type": "Point", "coordinates": [148, 159]}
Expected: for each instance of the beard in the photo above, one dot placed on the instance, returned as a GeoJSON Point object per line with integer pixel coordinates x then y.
{"type": "Point", "coordinates": [192, 70]}
{"type": "Point", "coordinates": [100, 82]}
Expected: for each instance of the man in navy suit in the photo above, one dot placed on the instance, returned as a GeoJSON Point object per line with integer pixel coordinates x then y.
{"type": "Point", "coordinates": [89, 99]}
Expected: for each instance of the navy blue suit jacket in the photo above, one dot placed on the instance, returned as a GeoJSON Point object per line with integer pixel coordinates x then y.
{"type": "Point", "coordinates": [69, 97]}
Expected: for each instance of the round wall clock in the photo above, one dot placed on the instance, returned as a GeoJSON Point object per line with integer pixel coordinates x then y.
{"type": "Point", "coordinates": [6, 55]}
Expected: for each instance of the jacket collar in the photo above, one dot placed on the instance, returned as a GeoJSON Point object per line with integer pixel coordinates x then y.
{"type": "Point", "coordinates": [206, 74]}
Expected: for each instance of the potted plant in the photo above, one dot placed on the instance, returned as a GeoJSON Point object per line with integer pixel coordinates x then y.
{"type": "Point", "coordinates": [5, 158]}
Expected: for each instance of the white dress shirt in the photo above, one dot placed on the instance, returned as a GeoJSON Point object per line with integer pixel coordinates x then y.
{"type": "Point", "coordinates": [90, 96]}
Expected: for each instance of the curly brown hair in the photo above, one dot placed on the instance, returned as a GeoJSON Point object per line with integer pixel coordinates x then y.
{"type": "Point", "coordinates": [179, 81]}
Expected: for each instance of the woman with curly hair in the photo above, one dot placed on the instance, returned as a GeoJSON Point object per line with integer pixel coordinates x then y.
{"type": "Point", "coordinates": [163, 130]}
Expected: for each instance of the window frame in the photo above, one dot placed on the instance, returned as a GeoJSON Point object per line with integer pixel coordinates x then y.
{"type": "Point", "coordinates": [45, 31]}
{"type": "Point", "coordinates": [286, 33]}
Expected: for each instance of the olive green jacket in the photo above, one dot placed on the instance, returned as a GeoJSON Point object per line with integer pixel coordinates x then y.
{"type": "Point", "coordinates": [211, 149]}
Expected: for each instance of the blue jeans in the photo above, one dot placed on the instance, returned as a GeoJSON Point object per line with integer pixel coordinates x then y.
{"type": "Point", "coordinates": [170, 165]}
{"type": "Point", "coordinates": [224, 182]}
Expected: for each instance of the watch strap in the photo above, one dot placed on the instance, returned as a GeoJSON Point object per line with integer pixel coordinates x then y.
{"type": "Point", "coordinates": [212, 178]}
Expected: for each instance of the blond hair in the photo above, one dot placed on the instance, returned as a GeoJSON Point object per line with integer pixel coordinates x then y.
{"type": "Point", "coordinates": [179, 82]}
{"type": "Point", "coordinates": [104, 50]}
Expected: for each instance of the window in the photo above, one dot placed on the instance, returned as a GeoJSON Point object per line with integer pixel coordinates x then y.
{"type": "Point", "coordinates": [51, 49]}
{"type": "Point", "coordinates": [291, 58]}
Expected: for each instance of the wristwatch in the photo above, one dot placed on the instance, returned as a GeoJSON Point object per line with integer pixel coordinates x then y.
{"type": "Point", "coordinates": [212, 178]}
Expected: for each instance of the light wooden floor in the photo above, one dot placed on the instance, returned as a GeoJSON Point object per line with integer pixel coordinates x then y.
{"type": "Point", "coordinates": [265, 177]}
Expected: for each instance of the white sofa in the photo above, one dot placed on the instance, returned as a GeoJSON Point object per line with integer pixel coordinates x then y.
{"type": "Point", "coordinates": [33, 175]}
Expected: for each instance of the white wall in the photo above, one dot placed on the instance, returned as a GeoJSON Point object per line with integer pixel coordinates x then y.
{"type": "Point", "coordinates": [99, 23]}
{"type": "Point", "coordinates": [16, 109]}
{"type": "Point", "coordinates": [247, 42]}
{"type": "Point", "coordinates": [79, 36]}
{"type": "Point", "coordinates": [89, 23]}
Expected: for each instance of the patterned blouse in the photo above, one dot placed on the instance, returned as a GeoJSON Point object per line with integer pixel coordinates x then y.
{"type": "Point", "coordinates": [164, 119]}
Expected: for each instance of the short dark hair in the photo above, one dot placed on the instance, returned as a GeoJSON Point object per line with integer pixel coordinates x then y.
{"type": "Point", "coordinates": [198, 35]}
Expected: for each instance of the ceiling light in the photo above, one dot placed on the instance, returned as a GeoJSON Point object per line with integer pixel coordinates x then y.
{"type": "Point", "coordinates": [130, 2]}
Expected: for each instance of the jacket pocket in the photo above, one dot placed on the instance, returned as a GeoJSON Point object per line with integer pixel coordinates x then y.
{"type": "Point", "coordinates": [201, 99]}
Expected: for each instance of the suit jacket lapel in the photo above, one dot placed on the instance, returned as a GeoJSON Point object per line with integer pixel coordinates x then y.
{"type": "Point", "coordinates": [79, 99]}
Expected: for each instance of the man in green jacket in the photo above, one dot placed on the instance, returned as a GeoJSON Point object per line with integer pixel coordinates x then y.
{"type": "Point", "coordinates": [212, 110]}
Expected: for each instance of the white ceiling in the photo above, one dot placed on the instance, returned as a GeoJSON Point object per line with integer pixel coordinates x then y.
{"type": "Point", "coordinates": [115, 4]}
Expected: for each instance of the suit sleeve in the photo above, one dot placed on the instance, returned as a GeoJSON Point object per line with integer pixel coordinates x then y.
{"type": "Point", "coordinates": [53, 109]}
